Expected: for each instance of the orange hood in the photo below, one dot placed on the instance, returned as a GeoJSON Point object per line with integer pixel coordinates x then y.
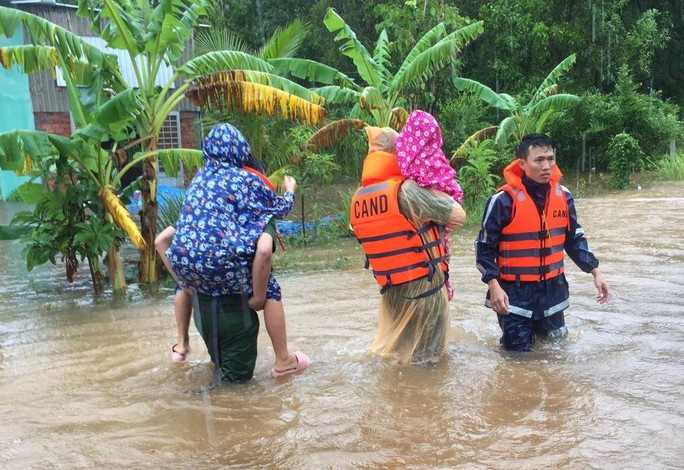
{"type": "Point", "coordinates": [379, 166]}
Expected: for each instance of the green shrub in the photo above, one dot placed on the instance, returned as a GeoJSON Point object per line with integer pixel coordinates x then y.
{"type": "Point", "coordinates": [477, 179]}
{"type": "Point", "coordinates": [625, 157]}
{"type": "Point", "coordinates": [671, 168]}
{"type": "Point", "coordinates": [652, 121]}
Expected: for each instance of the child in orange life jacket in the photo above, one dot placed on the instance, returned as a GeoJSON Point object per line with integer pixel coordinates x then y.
{"type": "Point", "coordinates": [274, 315]}
{"type": "Point", "coordinates": [420, 156]}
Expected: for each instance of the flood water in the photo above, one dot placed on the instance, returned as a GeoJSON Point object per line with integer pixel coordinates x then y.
{"type": "Point", "coordinates": [88, 383]}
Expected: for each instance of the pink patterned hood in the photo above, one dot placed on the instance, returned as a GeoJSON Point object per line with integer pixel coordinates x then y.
{"type": "Point", "coordinates": [420, 155]}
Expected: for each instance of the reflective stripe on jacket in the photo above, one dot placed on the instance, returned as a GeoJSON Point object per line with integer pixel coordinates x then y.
{"type": "Point", "coordinates": [531, 247]}
{"type": "Point", "coordinates": [396, 250]}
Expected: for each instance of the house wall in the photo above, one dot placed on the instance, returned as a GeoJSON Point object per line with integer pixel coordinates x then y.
{"type": "Point", "coordinates": [54, 123]}
{"type": "Point", "coordinates": [15, 111]}
{"type": "Point", "coordinates": [47, 96]}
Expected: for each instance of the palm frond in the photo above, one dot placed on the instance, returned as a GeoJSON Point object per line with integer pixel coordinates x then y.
{"type": "Point", "coordinates": [30, 58]}
{"type": "Point", "coordinates": [254, 97]}
{"type": "Point", "coordinates": [434, 58]}
{"type": "Point", "coordinates": [119, 23]}
{"type": "Point", "coordinates": [41, 32]}
{"type": "Point", "coordinates": [333, 132]}
{"type": "Point", "coordinates": [218, 39]}
{"type": "Point", "coordinates": [263, 78]}
{"type": "Point", "coordinates": [285, 42]}
{"type": "Point", "coordinates": [512, 103]}
{"type": "Point", "coordinates": [479, 136]}
{"type": "Point", "coordinates": [557, 102]}
{"type": "Point", "coordinates": [20, 148]}
{"type": "Point", "coordinates": [507, 130]}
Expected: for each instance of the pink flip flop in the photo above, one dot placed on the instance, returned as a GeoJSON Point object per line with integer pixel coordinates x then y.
{"type": "Point", "coordinates": [303, 362]}
{"type": "Point", "coordinates": [178, 357]}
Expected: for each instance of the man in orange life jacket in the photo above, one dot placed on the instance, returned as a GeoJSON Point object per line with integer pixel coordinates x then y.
{"type": "Point", "coordinates": [527, 226]}
{"type": "Point", "coordinates": [400, 227]}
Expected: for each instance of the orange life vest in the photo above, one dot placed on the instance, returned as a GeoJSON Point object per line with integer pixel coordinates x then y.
{"type": "Point", "coordinates": [271, 186]}
{"type": "Point", "coordinates": [531, 246]}
{"type": "Point", "coordinates": [263, 177]}
{"type": "Point", "coordinates": [397, 251]}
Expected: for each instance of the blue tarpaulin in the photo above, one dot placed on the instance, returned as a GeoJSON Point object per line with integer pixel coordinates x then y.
{"type": "Point", "coordinates": [285, 227]}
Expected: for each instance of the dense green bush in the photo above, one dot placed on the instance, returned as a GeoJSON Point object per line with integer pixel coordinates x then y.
{"type": "Point", "coordinates": [646, 117]}
{"type": "Point", "coordinates": [626, 158]}
{"type": "Point", "coordinates": [477, 179]}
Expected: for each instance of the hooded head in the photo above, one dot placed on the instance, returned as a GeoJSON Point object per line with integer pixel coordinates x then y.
{"type": "Point", "coordinates": [381, 139]}
{"type": "Point", "coordinates": [420, 155]}
{"type": "Point", "coordinates": [380, 163]}
{"type": "Point", "coordinates": [225, 145]}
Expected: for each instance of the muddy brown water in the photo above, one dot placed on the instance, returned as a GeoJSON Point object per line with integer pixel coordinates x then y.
{"type": "Point", "coordinates": [88, 383]}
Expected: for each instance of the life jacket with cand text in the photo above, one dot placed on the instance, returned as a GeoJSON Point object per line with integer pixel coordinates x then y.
{"type": "Point", "coordinates": [396, 250]}
{"type": "Point", "coordinates": [531, 246]}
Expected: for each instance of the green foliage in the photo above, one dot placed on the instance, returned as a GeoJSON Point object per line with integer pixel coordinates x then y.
{"type": "Point", "coordinates": [66, 223]}
{"type": "Point", "coordinates": [525, 37]}
{"type": "Point", "coordinates": [598, 117]}
{"type": "Point", "coordinates": [476, 177]}
{"type": "Point", "coordinates": [380, 99]}
{"type": "Point", "coordinates": [340, 210]}
{"type": "Point", "coordinates": [95, 236]}
{"type": "Point", "coordinates": [528, 118]}
{"type": "Point", "coordinates": [626, 158]}
{"type": "Point", "coordinates": [169, 211]}
{"type": "Point", "coordinates": [459, 118]}
{"type": "Point", "coordinates": [671, 168]}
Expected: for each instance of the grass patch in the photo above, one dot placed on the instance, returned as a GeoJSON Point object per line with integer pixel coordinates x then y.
{"type": "Point", "coordinates": [671, 168]}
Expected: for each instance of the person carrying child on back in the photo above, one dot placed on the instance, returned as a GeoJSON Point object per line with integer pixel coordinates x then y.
{"type": "Point", "coordinates": [400, 227]}
{"type": "Point", "coordinates": [222, 249]}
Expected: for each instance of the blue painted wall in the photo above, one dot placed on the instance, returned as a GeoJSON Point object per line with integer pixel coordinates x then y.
{"type": "Point", "coordinates": [16, 111]}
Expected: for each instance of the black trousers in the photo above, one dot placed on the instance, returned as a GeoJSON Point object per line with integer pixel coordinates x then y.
{"type": "Point", "coordinates": [519, 333]}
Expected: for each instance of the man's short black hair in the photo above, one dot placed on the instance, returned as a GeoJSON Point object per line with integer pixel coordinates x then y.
{"type": "Point", "coordinates": [533, 140]}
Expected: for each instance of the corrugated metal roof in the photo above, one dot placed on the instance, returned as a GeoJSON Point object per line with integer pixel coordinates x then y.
{"type": "Point", "coordinates": [164, 73]}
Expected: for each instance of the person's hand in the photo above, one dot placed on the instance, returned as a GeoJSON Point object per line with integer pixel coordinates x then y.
{"type": "Point", "coordinates": [602, 287]}
{"type": "Point", "coordinates": [256, 303]}
{"type": "Point", "coordinates": [289, 184]}
{"type": "Point", "coordinates": [498, 298]}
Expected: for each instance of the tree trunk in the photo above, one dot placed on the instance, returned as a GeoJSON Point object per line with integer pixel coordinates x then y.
{"type": "Point", "coordinates": [148, 221]}
{"type": "Point", "coordinates": [115, 268]}
{"type": "Point", "coordinates": [96, 274]}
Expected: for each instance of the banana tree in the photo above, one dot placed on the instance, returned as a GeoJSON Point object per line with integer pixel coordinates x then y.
{"type": "Point", "coordinates": [81, 218]}
{"type": "Point", "coordinates": [379, 99]}
{"type": "Point", "coordinates": [153, 34]}
{"type": "Point", "coordinates": [248, 91]}
{"type": "Point", "coordinates": [521, 119]}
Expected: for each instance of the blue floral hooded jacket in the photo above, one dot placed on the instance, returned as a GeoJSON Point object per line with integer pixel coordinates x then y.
{"type": "Point", "coordinates": [225, 211]}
